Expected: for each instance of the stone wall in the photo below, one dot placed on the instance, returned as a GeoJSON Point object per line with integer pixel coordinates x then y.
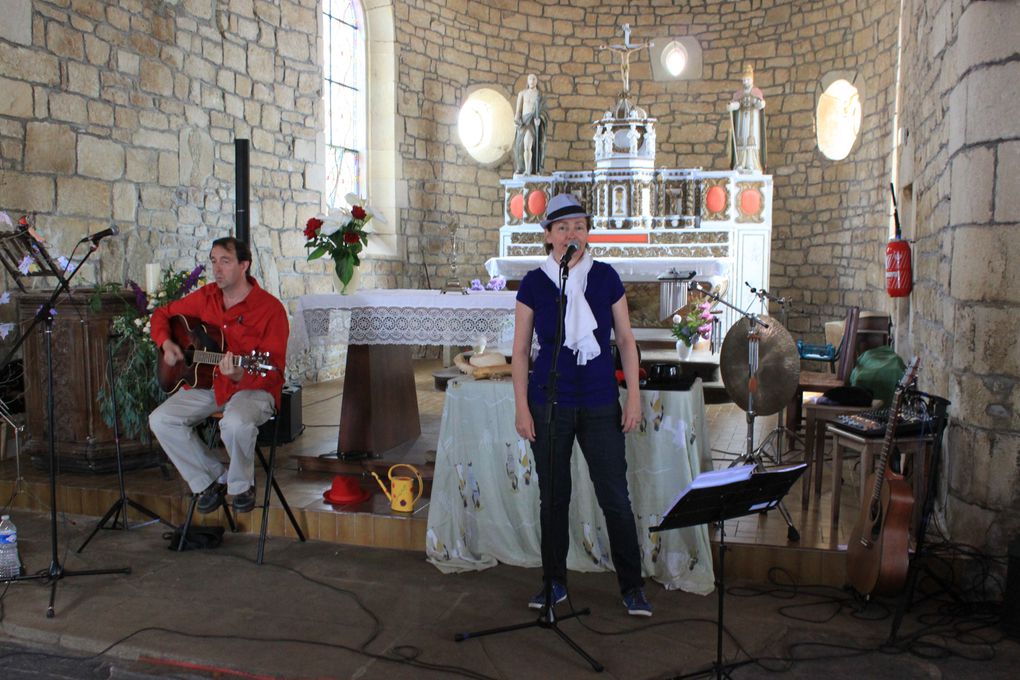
{"type": "Point", "coordinates": [961, 161]}
{"type": "Point", "coordinates": [831, 218]}
{"type": "Point", "coordinates": [127, 111]}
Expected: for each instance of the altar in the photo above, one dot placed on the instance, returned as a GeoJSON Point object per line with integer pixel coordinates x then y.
{"type": "Point", "coordinates": [484, 507]}
{"type": "Point", "coordinates": [379, 409]}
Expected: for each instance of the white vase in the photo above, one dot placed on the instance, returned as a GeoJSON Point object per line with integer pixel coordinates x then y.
{"type": "Point", "coordinates": [683, 350]}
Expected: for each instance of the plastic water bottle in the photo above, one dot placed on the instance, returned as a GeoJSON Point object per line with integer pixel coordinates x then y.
{"type": "Point", "coordinates": [10, 564]}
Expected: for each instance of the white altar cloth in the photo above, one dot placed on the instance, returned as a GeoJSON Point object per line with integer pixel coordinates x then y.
{"type": "Point", "coordinates": [404, 317]}
{"type": "Point", "coordinates": [484, 506]}
{"type": "Point", "coordinates": [630, 269]}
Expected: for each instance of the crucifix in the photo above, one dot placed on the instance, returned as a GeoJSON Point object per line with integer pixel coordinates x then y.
{"type": "Point", "coordinates": [625, 50]}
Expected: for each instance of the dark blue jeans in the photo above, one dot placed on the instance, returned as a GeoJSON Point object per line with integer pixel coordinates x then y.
{"type": "Point", "coordinates": [601, 438]}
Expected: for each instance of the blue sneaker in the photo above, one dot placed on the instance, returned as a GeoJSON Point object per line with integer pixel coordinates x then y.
{"type": "Point", "coordinates": [559, 594]}
{"type": "Point", "coordinates": [637, 604]}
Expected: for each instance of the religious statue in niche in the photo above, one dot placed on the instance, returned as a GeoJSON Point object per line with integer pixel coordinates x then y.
{"type": "Point", "coordinates": [531, 119]}
{"type": "Point", "coordinates": [625, 50]}
{"type": "Point", "coordinates": [747, 126]}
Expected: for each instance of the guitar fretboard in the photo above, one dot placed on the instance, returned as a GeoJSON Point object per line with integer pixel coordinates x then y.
{"type": "Point", "coordinates": [204, 357]}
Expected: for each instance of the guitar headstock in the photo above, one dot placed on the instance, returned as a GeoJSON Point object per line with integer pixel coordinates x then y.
{"type": "Point", "coordinates": [256, 363]}
{"type": "Point", "coordinates": [909, 376]}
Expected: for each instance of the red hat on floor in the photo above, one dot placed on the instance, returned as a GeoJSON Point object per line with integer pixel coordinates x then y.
{"type": "Point", "coordinates": [345, 491]}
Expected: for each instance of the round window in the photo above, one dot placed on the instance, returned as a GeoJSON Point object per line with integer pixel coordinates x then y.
{"type": "Point", "coordinates": [485, 125]}
{"type": "Point", "coordinates": [838, 119]}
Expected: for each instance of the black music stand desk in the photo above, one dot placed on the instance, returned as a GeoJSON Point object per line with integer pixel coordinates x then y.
{"type": "Point", "coordinates": [720, 495]}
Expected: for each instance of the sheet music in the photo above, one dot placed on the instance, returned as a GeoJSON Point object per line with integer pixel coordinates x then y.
{"type": "Point", "coordinates": [715, 478]}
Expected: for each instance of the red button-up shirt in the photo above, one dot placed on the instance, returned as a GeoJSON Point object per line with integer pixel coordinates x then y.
{"type": "Point", "coordinates": [259, 322]}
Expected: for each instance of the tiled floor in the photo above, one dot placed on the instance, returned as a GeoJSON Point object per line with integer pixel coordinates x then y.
{"type": "Point", "coordinates": [373, 523]}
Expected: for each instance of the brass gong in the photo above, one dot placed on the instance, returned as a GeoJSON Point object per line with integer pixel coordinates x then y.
{"type": "Point", "coordinates": [778, 366]}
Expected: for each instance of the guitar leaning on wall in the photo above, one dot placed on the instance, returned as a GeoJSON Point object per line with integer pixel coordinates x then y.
{"type": "Point", "coordinates": [877, 558]}
{"type": "Point", "coordinates": [204, 346]}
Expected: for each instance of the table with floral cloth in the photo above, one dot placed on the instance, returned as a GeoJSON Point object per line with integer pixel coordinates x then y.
{"type": "Point", "coordinates": [379, 409]}
{"type": "Point", "coordinates": [484, 506]}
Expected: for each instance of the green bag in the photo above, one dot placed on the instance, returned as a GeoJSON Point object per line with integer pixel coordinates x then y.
{"type": "Point", "coordinates": [879, 370]}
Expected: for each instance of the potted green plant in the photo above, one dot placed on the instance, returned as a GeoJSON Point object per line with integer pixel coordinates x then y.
{"type": "Point", "coordinates": [134, 380]}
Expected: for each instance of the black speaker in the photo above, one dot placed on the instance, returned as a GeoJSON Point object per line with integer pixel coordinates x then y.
{"type": "Point", "coordinates": [242, 192]}
{"type": "Point", "coordinates": [289, 415]}
{"type": "Point", "coordinates": [1011, 600]}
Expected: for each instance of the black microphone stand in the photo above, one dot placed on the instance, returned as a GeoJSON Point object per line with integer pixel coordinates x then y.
{"type": "Point", "coordinates": [547, 619]}
{"type": "Point", "coordinates": [122, 504]}
{"type": "Point", "coordinates": [45, 315]}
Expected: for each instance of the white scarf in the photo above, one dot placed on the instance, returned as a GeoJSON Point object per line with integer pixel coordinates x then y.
{"type": "Point", "coordinates": [579, 324]}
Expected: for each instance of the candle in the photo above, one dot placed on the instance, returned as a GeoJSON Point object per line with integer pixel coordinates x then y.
{"type": "Point", "coordinates": [152, 277]}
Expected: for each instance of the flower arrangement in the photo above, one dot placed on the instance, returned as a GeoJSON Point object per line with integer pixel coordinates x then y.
{"type": "Point", "coordinates": [695, 325]}
{"type": "Point", "coordinates": [345, 242]}
{"type": "Point", "coordinates": [134, 380]}
{"type": "Point", "coordinates": [495, 283]}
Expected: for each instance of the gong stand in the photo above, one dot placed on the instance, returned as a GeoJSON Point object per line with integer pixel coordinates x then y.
{"type": "Point", "coordinates": [774, 337]}
{"type": "Point", "coordinates": [780, 433]}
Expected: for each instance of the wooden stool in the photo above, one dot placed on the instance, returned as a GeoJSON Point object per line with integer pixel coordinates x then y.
{"type": "Point", "coordinates": [869, 449]}
{"type": "Point", "coordinates": [816, 416]}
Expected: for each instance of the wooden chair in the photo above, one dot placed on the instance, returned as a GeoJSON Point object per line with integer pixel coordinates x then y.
{"type": "Point", "coordinates": [821, 381]}
{"type": "Point", "coordinates": [269, 468]}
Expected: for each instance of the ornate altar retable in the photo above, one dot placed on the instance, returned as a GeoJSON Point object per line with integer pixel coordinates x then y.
{"type": "Point", "coordinates": [379, 409]}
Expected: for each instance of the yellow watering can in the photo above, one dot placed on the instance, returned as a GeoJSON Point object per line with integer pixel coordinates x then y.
{"type": "Point", "coordinates": [401, 491]}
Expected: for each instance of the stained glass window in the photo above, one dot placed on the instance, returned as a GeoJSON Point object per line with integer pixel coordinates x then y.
{"type": "Point", "coordinates": [344, 98]}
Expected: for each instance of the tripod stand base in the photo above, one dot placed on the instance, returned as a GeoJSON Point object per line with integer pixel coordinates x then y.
{"type": "Point", "coordinates": [547, 621]}
{"type": "Point", "coordinates": [118, 512]}
{"type": "Point", "coordinates": [56, 572]}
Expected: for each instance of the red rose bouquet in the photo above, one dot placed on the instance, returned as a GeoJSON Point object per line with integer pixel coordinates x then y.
{"type": "Point", "coordinates": [343, 243]}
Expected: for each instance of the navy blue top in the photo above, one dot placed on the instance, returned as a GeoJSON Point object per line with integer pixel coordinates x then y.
{"type": "Point", "coordinates": [593, 384]}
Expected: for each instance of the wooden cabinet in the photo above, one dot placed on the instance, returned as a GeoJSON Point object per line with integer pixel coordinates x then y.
{"type": "Point", "coordinates": [83, 441]}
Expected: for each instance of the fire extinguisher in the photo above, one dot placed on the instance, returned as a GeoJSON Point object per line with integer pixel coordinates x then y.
{"type": "Point", "coordinates": [898, 272]}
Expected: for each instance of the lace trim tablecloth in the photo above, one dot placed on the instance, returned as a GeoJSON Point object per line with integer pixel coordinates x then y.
{"type": "Point", "coordinates": [404, 317]}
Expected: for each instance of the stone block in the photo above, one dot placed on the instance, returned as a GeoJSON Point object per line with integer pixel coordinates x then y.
{"type": "Point", "coordinates": [49, 148]}
{"type": "Point", "coordinates": [17, 24]}
{"type": "Point", "coordinates": [141, 166]}
{"type": "Point", "coordinates": [26, 193]}
{"type": "Point", "coordinates": [16, 100]}
{"type": "Point", "coordinates": [30, 65]}
{"type": "Point", "coordinates": [197, 151]}
{"type": "Point", "coordinates": [83, 79]}
{"type": "Point", "coordinates": [169, 170]}
{"type": "Point", "coordinates": [261, 64]}
{"type": "Point", "coordinates": [127, 62]}
{"type": "Point", "coordinates": [64, 41]}
{"type": "Point", "coordinates": [986, 339]}
{"type": "Point", "coordinates": [996, 278]}
{"type": "Point", "coordinates": [88, 197]}
{"type": "Point", "coordinates": [125, 202]}
{"type": "Point", "coordinates": [100, 113]}
{"type": "Point", "coordinates": [1007, 198]}
{"type": "Point", "coordinates": [972, 173]}
{"type": "Point", "coordinates": [100, 158]}
{"type": "Point", "coordinates": [991, 102]}
{"type": "Point", "coordinates": [155, 77]}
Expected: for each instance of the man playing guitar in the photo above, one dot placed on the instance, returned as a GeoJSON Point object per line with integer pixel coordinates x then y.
{"type": "Point", "coordinates": [249, 319]}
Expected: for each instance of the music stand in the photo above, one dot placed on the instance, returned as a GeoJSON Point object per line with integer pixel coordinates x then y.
{"type": "Point", "coordinates": [122, 504]}
{"type": "Point", "coordinates": [760, 491]}
{"type": "Point", "coordinates": [14, 248]}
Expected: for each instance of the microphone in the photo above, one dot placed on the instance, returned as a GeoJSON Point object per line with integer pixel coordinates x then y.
{"type": "Point", "coordinates": [572, 247]}
{"type": "Point", "coordinates": [100, 235]}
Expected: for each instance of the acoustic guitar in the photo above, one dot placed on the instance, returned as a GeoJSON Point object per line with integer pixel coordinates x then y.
{"type": "Point", "coordinates": [204, 346]}
{"type": "Point", "coordinates": [877, 557]}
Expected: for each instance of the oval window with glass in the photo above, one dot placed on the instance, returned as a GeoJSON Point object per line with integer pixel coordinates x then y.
{"type": "Point", "coordinates": [838, 119]}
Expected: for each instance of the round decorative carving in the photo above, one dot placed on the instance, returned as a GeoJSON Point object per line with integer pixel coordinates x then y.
{"type": "Point", "coordinates": [750, 201]}
{"type": "Point", "coordinates": [715, 199]}
{"type": "Point", "coordinates": [537, 202]}
{"type": "Point", "coordinates": [517, 206]}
